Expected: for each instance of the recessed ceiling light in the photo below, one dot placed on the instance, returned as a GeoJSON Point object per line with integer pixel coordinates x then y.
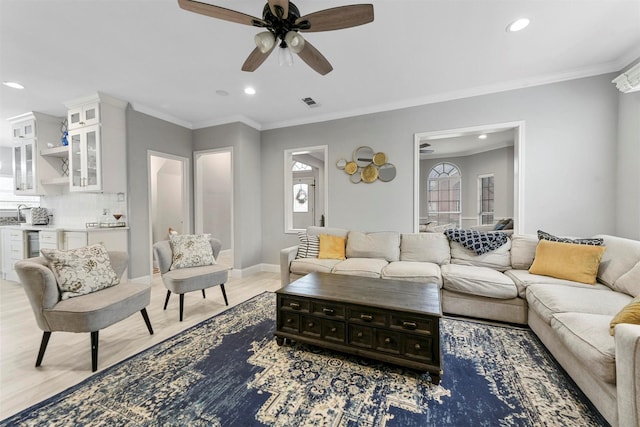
{"type": "Point", "coordinates": [517, 25]}
{"type": "Point", "coordinates": [249, 90]}
{"type": "Point", "coordinates": [483, 136]}
{"type": "Point", "coordinates": [14, 85]}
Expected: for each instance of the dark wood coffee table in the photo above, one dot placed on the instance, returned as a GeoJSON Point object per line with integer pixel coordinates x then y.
{"type": "Point", "coordinates": [392, 321]}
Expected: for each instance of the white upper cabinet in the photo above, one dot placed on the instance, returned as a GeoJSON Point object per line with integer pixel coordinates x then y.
{"type": "Point", "coordinates": [84, 115]}
{"type": "Point", "coordinates": [33, 132]}
{"type": "Point", "coordinates": [97, 144]}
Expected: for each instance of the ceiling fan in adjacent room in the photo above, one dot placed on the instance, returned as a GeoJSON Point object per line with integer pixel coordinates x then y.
{"type": "Point", "coordinates": [424, 148]}
{"type": "Point", "coordinates": [283, 22]}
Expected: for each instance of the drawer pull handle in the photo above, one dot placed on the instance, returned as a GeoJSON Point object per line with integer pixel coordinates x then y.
{"type": "Point", "coordinates": [409, 325]}
{"type": "Point", "coordinates": [294, 305]}
{"type": "Point", "coordinates": [289, 320]}
{"type": "Point", "coordinates": [366, 317]}
{"type": "Point", "coordinates": [417, 347]}
{"type": "Point", "coordinates": [310, 324]}
{"type": "Point", "coordinates": [333, 329]}
{"type": "Point", "coordinates": [328, 310]}
{"type": "Point", "coordinates": [359, 334]}
{"type": "Point", "coordinates": [387, 340]}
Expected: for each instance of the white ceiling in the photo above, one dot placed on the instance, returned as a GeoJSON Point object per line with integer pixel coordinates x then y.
{"type": "Point", "coordinates": [169, 62]}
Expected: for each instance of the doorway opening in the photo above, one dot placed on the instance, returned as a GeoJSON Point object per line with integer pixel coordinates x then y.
{"type": "Point", "coordinates": [168, 198]}
{"type": "Point", "coordinates": [438, 146]}
{"type": "Point", "coordinates": [213, 196]}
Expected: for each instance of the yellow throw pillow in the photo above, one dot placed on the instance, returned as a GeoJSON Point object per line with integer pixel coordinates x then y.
{"type": "Point", "coordinates": [567, 261]}
{"type": "Point", "coordinates": [630, 313]}
{"type": "Point", "coordinates": [332, 247]}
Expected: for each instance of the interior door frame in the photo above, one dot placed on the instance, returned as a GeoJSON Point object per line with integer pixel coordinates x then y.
{"type": "Point", "coordinates": [197, 202]}
{"type": "Point", "coordinates": [518, 166]}
{"type": "Point", "coordinates": [186, 212]}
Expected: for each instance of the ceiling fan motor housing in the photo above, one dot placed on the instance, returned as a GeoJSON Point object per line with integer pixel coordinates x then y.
{"type": "Point", "coordinates": [280, 26]}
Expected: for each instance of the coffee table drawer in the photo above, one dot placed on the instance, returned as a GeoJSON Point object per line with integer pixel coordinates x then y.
{"type": "Point", "coordinates": [328, 309]}
{"type": "Point", "coordinates": [333, 331]}
{"type": "Point", "coordinates": [425, 325]}
{"type": "Point", "coordinates": [388, 341]}
{"type": "Point", "coordinates": [419, 348]}
{"type": "Point", "coordinates": [368, 315]}
{"type": "Point", "coordinates": [289, 321]}
{"type": "Point", "coordinates": [311, 326]}
{"type": "Point", "coordinates": [297, 304]}
{"type": "Point", "coordinates": [361, 336]}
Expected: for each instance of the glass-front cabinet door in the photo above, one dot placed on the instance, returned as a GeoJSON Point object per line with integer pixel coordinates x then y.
{"type": "Point", "coordinates": [24, 167]}
{"type": "Point", "coordinates": [84, 159]}
{"type": "Point", "coordinates": [84, 115]}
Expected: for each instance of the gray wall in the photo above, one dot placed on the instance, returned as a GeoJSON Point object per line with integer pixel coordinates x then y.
{"type": "Point", "coordinates": [6, 161]}
{"type": "Point", "coordinates": [497, 162]}
{"type": "Point", "coordinates": [147, 133]}
{"type": "Point", "coordinates": [247, 171]}
{"type": "Point", "coordinates": [628, 196]}
{"type": "Point", "coordinates": [569, 152]}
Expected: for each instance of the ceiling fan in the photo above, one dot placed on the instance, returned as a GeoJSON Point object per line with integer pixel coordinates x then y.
{"type": "Point", "coordinates": [282, 22]}
{"type": "Point", "coordinates": [424, 148]}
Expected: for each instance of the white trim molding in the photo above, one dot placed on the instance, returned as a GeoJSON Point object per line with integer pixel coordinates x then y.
{"type": "Point", "coordinates": [629, 81]}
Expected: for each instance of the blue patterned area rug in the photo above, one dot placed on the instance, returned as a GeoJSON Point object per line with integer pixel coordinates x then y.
{"type": "Point", "coordinates": [229, 371]}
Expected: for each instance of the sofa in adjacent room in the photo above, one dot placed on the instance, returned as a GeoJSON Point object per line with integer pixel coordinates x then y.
{"type": "Point", "coordinates": [513, 283]}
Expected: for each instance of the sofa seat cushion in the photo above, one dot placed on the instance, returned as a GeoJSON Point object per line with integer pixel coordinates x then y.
{"type": "Point", "coordinates": [365, 267]}
{"type": "Point", "coordinates": [414, 271]}
{"type": "Point", "coordinates": [304, 266]}
{"type": "Point", "coordinates": [523, 279]}
{"type": "Point", "coordinates": [587, 337]}
{"type": "Point", "coordinates": [481, 281]}
{"type": "Point", "coordinates": [547, 300]}
{"type": "Point", "coordinates": [500, 259]}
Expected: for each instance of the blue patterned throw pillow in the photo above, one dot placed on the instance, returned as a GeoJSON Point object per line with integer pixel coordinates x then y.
{"type": "Point", "coordinates": [477, 241]}
{"type": "Point", "coordinates": [588, 241]}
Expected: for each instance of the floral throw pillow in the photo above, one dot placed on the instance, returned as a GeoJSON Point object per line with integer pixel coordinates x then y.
{"type": "Point", "coordinates": [81, 271]}
{"type": "Point", "coordinates": [191, 250]}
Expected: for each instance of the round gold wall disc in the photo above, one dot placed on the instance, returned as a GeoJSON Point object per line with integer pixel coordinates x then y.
{"type": "Point", "coordinates": [370, 173]}
{"type": "Point", "coordinates": [379, 159]}
{"type": "Point", "coordinates": [351, 168]}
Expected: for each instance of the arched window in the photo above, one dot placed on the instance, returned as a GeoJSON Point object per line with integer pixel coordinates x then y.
{"type": "Point", "coordinates": [443, 195]}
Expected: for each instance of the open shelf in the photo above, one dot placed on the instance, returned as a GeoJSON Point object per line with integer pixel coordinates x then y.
{"type": "Point", "coordinates": [63, 180]}
{"type": "Point", "coordinates": [62, 151]}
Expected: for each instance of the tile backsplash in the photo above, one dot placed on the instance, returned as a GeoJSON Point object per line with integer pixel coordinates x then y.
{"type": "Point", "coordinates": [77, 209]}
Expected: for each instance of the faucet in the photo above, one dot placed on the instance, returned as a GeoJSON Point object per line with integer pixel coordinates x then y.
{"type": "Point", "coordinates": [19, 208]}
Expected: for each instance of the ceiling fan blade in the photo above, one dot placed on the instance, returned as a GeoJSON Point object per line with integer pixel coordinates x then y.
{"type": "Point", "coordinates": [220, 13]}
{"type": "Point", "coordinates": [314, 59]}
{"type": "Point", "coordinates": [255, 59]}
{"type": "Point", "coordinates": [283, 4]}
{"type": "Point", "coordinates": [338, 18]}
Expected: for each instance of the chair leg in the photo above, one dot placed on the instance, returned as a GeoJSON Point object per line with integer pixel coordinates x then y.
{"type": "Point", "coordinates": [145, 316]}
{"type": "Point", "coordinates": [43, 346]}
{"type": "Point", "coordinates": [181, 305]}
{"type": "Point", "coordinates": [224, 294]}
{"type": "Point", "coordinates": [166, 301]}
{"type": "Point", "coordinates": [94, 351]}
{"type": "Point", "coordinates": [203, 294]}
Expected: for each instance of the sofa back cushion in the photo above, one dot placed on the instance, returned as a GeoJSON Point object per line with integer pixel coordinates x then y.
{"type": "Point", "coordinates": [383, 245]}
{"type": "Point", "coordinates": [620, 257]}
{"type": "Point", "coordinates": [523, 250]}
{"type": "Point", "coordinates": [499, 259]}
{"type": "Point", "coordinates": [425, 247]}
{"type": "Point", "coordinates": [629, 282]}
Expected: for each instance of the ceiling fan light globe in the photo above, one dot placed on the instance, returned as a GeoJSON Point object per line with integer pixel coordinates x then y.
{"type": "Point", "coordinates": [294, 41]}
{"type": "Point", "coordinates": [285, 58]}
{"type": "Point", "coordinates": [265, 41]}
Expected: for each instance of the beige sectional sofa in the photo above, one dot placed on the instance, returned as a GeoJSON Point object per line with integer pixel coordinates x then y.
{"type": "Point", "coordinates": [571, 318]}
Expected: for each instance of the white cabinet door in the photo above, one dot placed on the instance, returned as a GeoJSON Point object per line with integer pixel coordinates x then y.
{"type": "Point", "coordinates": [24, 169]}
{"type": "Point", "coordinates": [84, 159]}
{"type": "Point", "coordinates": [13, 250]}
{"type": "Point", "coordinates": [83, 115]}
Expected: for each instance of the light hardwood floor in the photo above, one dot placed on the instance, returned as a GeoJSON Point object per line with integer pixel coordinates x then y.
{"type": "Point", "coordinates": [67, 360]}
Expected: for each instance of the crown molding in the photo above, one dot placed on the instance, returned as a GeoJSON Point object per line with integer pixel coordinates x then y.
{"type": "Point", "coordinates": [230, 119]}
{"type": "Point", "coordinates": [629, 81]}
{"type": "Point", "coordinates": [160, 115]}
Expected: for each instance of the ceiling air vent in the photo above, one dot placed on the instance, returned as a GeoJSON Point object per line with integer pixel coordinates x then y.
{"type": "Point", "coordinates": [310, 102]}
